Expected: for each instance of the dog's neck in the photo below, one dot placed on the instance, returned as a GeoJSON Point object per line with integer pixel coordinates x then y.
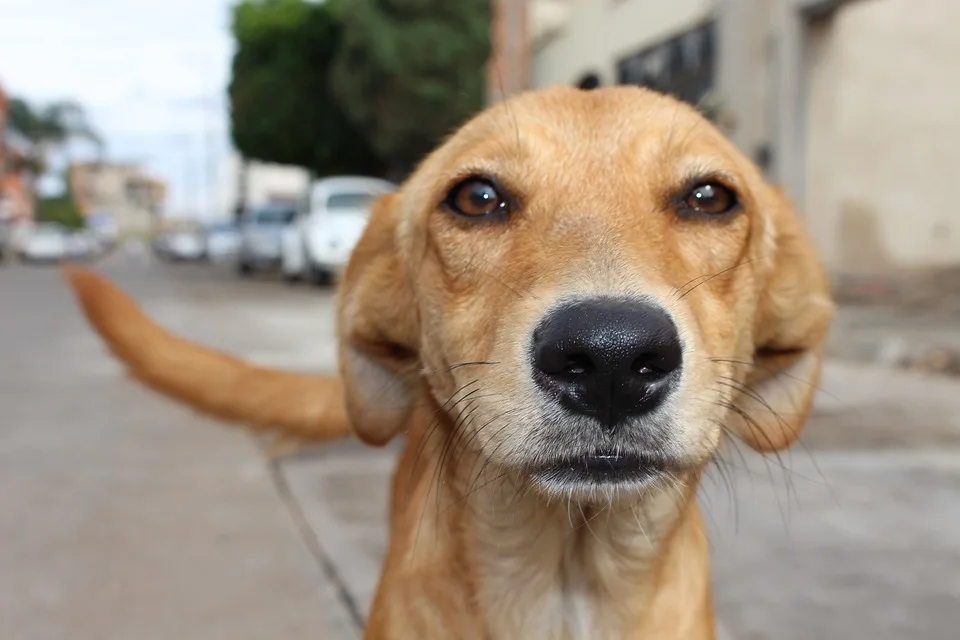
{"type": "Point", "coordinates": [567, 569]}
{"type": "Point", "coordinates": [560, 569]}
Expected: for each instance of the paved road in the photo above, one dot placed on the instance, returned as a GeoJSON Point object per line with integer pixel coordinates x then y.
{"type": "Point", "coordinates": [124, 516]}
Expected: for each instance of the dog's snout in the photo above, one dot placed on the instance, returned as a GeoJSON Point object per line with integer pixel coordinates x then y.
{"type": "Point", "coordinates": [607, 358]}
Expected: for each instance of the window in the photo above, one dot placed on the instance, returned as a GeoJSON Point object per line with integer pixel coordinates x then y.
{"type": "Point", "coordinates": [349, 201]}
{"type": "Point", "coordinates": [275, 215]}
{"type": "Point", "coordinates": [683, 66]}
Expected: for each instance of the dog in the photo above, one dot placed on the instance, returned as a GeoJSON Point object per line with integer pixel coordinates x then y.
{"type": "Point", "coordinates": [563, 310]}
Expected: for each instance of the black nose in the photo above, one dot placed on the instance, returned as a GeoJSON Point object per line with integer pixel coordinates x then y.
{"type": "Point", "coordinates": [606, 357]}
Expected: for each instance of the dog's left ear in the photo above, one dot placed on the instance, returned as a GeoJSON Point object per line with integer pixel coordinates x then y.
{"type": "Point", "coordinates": [378, 330]}
{"type": "Point", "coordinates": [793, 318]}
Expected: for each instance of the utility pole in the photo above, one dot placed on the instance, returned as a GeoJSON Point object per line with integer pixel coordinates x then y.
{"type": "Point", "coordinates": [241, 195]}
{"type": "Point", "coordinates": [187, 139]}
{"type": "Point", "coordinates": [210, 104]}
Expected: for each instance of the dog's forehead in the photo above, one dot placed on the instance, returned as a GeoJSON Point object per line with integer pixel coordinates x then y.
{"type": "Point", "coordinates": [567, 126]}
{"type": "Point", "coordinates": [563, 108]}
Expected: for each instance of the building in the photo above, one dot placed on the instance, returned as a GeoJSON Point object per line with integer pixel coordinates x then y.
{"type": "Point", "coordinates": [17, 203]}
{"type": "Point", "coordinates": [4, 111]}
{"type": "Point", "coordinates": [851, 105]}
{"type": "Point", "coordinates": [134, 199]}
{"type": "Point", "coordinates": [257, 183]}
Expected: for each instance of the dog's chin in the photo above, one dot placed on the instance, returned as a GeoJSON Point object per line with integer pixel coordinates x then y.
{"type": "Point", "coordinates": [602, 475]}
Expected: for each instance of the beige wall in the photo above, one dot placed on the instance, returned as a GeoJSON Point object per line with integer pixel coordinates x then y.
{"type": "Point", "coordinates": [599, 32]}
{"type": "Point", "coordinates": [883, 134]}
{"type": "Point", "coordinates": [122, 190]}
{"type": "Point", "coordinates": [265, 183]}
{"type": "Point", "coordinates": [862, 119]}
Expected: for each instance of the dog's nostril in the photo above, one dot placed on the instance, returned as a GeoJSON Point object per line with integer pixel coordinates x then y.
{"type": "Point", "coordinates": [578, 364]}
{"type": "Point", "coordinates": [557, 362]}
{"type": "Point", "coordinates": [652, 366]}
{"type": "Point", "coordinates": [643, 368]}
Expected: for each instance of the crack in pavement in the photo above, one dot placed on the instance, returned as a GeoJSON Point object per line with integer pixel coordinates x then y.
{"type": "Point", "coordinates": [314, 547]}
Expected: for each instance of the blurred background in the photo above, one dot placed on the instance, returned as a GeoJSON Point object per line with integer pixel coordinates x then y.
{"type": "Point", "coordinates": [204, 153]}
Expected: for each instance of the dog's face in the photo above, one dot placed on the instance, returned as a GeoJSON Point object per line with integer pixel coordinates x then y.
{"type": "Point", "coordinates": [593, 285]}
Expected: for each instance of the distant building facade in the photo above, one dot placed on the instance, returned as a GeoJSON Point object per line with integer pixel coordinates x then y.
{"type": "Point", "coordinates": [124, 191]}
{"type": "Point", "coordinates": [256, 184]}
{"type": "Point", "coordinates": [16, 197]}
{"type": "Point", "coordinates": [851, 105]}
{"type": "Point", "coordinates": [4, 111]}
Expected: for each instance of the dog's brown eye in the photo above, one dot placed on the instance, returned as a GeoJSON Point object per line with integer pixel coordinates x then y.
{"type": "Point", "coordinates": [710, 198]}
{"type": "Point", "coordinates": [476, 197]}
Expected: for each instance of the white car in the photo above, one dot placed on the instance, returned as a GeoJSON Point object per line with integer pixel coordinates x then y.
{"type": "Point", "coordinates": [6, 238]}
{"type": "Point", "coordinates": [261, 229]}
{"type": "Point", "coordinates": [186, 245]}
{"type": "Point", "coordinates": [222, 241]}
{"type": "Point", "coordinates": [318, 244]}
{"type": "Point", "coordinates": [44, 243]}
{"type": "Point", "coordinates": [81, 245]}
{"type": "Point", "coordinates": [104, 228]}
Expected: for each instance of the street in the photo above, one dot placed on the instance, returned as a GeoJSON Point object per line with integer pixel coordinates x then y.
{"type": "Point", "coordinates": [126, 516]}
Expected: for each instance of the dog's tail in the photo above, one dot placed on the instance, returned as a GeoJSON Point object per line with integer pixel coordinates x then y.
{"type": "Point", "coordinates": [302, 406]}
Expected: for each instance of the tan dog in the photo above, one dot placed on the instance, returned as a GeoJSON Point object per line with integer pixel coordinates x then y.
{"type": "Point", "coordinates": [563, 309]}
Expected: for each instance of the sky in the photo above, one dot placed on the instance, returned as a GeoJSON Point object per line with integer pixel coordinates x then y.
{"type": "Point", "coordinates": [151, 74]}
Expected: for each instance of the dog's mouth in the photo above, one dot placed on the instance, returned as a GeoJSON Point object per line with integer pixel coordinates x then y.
{"type": "Point", "coordinates": [601, 469]}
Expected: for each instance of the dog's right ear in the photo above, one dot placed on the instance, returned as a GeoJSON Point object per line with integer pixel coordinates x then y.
{"type": "Point", "coordinates": [792, 324]}
{"type": "Point", "coordinates": [378, 330]}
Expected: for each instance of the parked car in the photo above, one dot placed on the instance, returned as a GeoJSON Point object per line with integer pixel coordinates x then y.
{"type": "Point", "coordinates": [6, 239]}
{"type": "Point", "coordinates": [81, 245]}
{"type": "Point", "coordinates": [222, 241]}
{"type": "Point", "coordinates": [180, 244]}
{"type": "Point", "coordinates": [318, 244]}
{"type": "Point", "coordinates": [104, 229]}
{"type": "Point", "coordinates": [44, 243]}
{"type": "Point", "coordinates": [161, 244]}
{"type": "Point", "coordinates": [261, 229]}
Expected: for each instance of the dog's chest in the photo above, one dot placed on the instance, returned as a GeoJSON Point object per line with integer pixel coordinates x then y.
{"type": "Point", "coordinates": [558, 589]}
{"type": "Point", "coordinates": [523, 605]}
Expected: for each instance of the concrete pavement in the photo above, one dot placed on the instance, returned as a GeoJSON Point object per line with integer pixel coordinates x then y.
{"type": "Point", "coordinates": [855, 533]}
{"type": "Point", "coordinates": [128, 517]}
{"type": "Point", "coordinates": [125, 516]}
{"type": "Point", "coordinates": [921, 338]}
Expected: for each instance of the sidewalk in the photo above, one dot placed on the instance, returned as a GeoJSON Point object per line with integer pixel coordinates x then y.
{"type": "Point", "coordinates": [173, 529]}
{"type": "Point", "coordinates": [865, 513]}
{"type": "Point", "coordinates": [126, 516]}
{"type": "Point", "coordinates": [923, 339]}
{"type": "Point", "coordinates": [908, 319]}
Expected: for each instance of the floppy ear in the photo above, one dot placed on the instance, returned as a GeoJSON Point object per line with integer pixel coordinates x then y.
{"type": "Point", "coordinates": [378, 330]}
{"type": "Point", "coordinates": [793, 318]}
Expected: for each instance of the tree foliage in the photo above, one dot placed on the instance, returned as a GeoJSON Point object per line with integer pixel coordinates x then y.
{"type": "Point", "coordinates": [281, 106]}
{"type": "Point", "coordinates": [62, 210]}
{"type": "Point", "coordinates": [411, 71]}
{"type": "Point", "coordinates": [355, 86]}
{"type": "Point", "coordinates": [50, 126]}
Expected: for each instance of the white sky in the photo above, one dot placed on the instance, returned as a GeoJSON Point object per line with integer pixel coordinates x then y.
{"type": "Point", "coordinates": [151, 74]}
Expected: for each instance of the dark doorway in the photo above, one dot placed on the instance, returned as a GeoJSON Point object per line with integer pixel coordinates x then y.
{"type": "Point", "coordinates": [588, 82]}
{"type": "Point", "coordinates": [683, 66]}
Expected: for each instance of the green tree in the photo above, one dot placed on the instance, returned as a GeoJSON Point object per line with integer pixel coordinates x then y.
{"type": "Point", "coordinates": [49, 127]}
{"type": "Point", "coordinates": [46, 129]}
{"type": "Point", "coordinates": [62, 210]}
{"type": "Point", "coordinates": [410, 71]}
{"type": "Point", "coordinates": [280, 104]}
